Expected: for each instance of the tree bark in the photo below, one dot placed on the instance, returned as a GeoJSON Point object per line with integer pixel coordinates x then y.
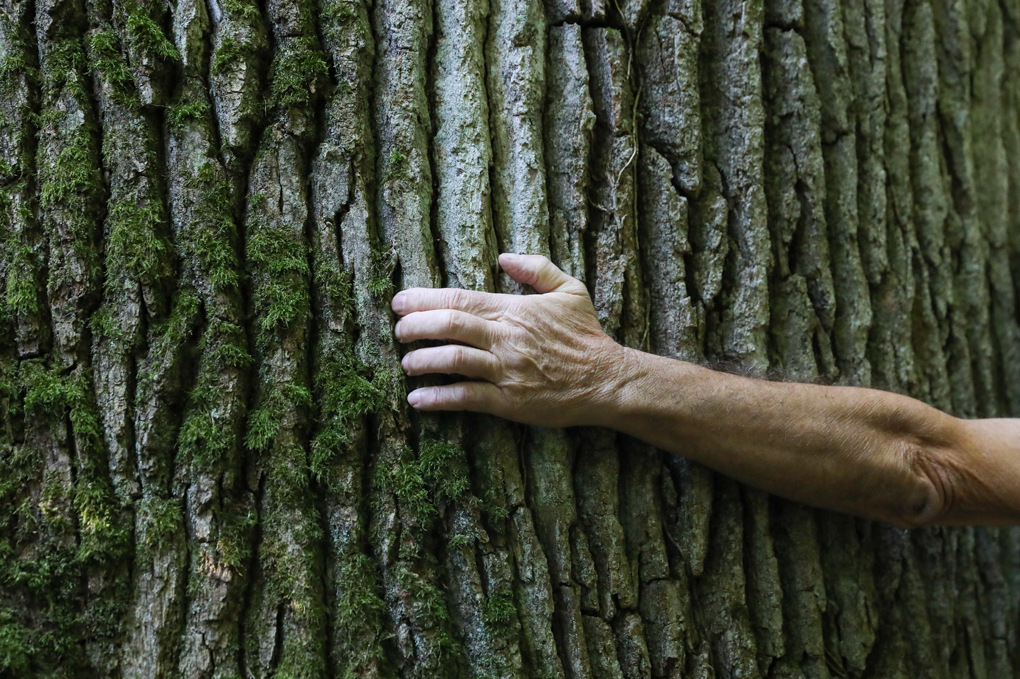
{"type": "Point", "coordinates": [207, 465]}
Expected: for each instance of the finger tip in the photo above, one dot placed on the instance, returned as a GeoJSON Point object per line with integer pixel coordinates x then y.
{"type": "Point", "coordinates": [414, 398]}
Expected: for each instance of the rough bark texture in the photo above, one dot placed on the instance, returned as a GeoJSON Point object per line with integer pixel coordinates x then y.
{"type": "Point", "coordinates": [207, 465]}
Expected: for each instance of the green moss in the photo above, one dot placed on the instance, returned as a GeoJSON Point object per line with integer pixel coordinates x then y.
{"type": "Point", "coordinates": [7, 172]}
{"type": "Point", "coordinates": [178, 326]}
{"type": "Point", "coordinates": [345, 395]}
{"type": "Point", "coordinates": [162, 519]}
{"type": "Point", "coordinates": [230, 349]}
{"type": "Point", "coordinates": [438, 474]}
{"type": "Point", "coordinates": [70, 189]}
{"type": "Point", "coordinates": [495, 505]}
{"type": "Point", "coordinates": [15, 63]}
{"type": "Point", "coordinates": [74, 177]}
{"type": "Point", "coordinates": [380, 287]}
{"type": "Point", "coordinates": [399, 167]}
{"type": "Point", "coordinates": [228, 53]}
{"type": "Point", "coordinates": [64, 66]}
{"type": "Point", "coordinates": [499, 608]}
{"type": "Point", "coordinates": [333, 285]}
{"type": "Point", "coordinates": [16, 649]}
{"type": "Point", "coordinates": [403, 480]}
{"type": "Point", "coordinates": [358, 622]}
{"type": "Point", "coordinates": [22, 296]}
{"type": "Point", "coordinates": [444, 468]}
{"type": "Point", "coordinates": [136, 246]}
{"type": "Point", "coordinates": [234, 539]}
{"type": "Point", "coordinates": [460, 540]}
{"type": "Point", "coordinates": [280, 297]}
{"type": "Point", "coordinates": [148, 37]}
{"type": "Point", "coordinates": [105, 324]}
{"type": "Point", "coordinates": [44, 389]}
{"type": "Point", "coordinates": [383, 263]}
{"type": "Point", "coordinates": [428, 603]}
{"type": "Point", "coordinates": [42, 567]}
{"type": "Point", "coordinates": [205, 440]}
{"type": "Point", "coordinates": [50, 393]}
{"type": "Point", "coordinates": [211, 240]}
{"type": "Point", "coordinates": [247, 12]}
{"type": "Point", "coordinates": [179, 114]}
{"type": "Point", "coordinates": [106, 59]}
{"type": "Point", "coordinates": [299, 73]}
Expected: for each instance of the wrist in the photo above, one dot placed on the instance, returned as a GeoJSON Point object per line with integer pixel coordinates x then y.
{"type": "Point", "coordinates": [622, 388]}
{"type": "Point", "coordinates": [647, 389]}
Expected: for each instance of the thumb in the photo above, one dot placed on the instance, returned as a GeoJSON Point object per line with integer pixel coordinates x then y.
{"type": "Point", "coordinates": [541, 274]}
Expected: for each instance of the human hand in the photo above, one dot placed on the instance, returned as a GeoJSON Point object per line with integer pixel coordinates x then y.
{"type": "Point", "coordinates": [538, 359]}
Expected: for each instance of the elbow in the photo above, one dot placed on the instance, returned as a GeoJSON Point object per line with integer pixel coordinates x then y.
{"type": "Point", "coordinates": [927, 498]}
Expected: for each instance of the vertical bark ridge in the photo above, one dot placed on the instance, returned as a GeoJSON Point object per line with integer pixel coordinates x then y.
{"type": "Point", "coordinates": [763, 589]}
{"type": "Point", "coordinates": [595, 483]}
{"type": "Point", "coordinates": [285, 624]}
{"type": "Point", "coordinates": [570, 118]}
{"type": "Point", "coordinates": [676, 322]}
{"type": "Point", "coordinates": [933, 274]}
{"type": "Point", "coordinates": [209, 482]}
{"type": "Point", "coordinates": [489, 604]}
{"type": "Point", "coordinates": [403, 123]}
{"type": "Point", "coordinates": [612, 210]}
{"type": "Point", "coordinates": [550, 459]}
{"type": "Point", "coordinates": [827, 50]}
{"type": "Point", "coordinates": [731, 209]}
{"type": "Point", "coordinates": [664, 597]}
{"type": "Point", "coordinates": [138, 347]}
{"type": "Point", "coordinates": [71, 197]}
{"type": "Point", "coordinates": [502, 488]}
{"type": "Point", "coordinates": [515, 52]}
{"type": "Point", "coordinates": [852, 620]}
{"type": "Point", "coordinates": [461, 145]}
{"type": "Point", "coordinates": [892, 344]}
{"type": "Point", "coordinates": [349, 388]}
{"type": "Point", "coordinates": [237, 67]}
{"type": "Point", "coordinates": [991, 177]}
{"type": "Point", "coordinates": [802, 290]}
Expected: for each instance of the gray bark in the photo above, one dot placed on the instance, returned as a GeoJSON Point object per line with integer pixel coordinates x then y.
{"type": "Point", "coordinates": [207, 465]}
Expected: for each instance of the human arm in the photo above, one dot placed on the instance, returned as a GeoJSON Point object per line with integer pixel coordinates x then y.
{"type": "Point", "coordinates": [543, 359]}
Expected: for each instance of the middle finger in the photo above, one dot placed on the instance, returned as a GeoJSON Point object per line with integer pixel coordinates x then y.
{"type": "Point", "coordinates": [445, 324]}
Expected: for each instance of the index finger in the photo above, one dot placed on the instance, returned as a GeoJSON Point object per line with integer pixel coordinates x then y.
{"type": "Point", "coordinates": [487, 305]}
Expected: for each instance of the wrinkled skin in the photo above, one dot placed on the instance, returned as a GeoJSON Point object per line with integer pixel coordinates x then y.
{"type": "Point", "coordinates": [544, 360]}
{"type": "Point", "coordinates": [539, 359]}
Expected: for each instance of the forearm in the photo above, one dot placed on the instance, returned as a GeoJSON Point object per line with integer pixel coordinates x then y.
{"type": "Point", "coordinates": [860, 451]}
{"type": "Point", "coordinates": [544, 360]}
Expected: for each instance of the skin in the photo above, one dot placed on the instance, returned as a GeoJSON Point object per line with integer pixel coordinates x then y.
{"type": "Point", "coordinates": [544, 360]}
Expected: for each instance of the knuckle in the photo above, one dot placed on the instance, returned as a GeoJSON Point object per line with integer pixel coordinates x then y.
{"type": "Point", "coordinates": [454, 322]}
{"type": "Point", "coordinates": [450, 297]}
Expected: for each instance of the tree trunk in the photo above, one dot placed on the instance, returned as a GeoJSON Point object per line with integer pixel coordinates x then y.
{"type": "Point", "coordinates": [208, 467]}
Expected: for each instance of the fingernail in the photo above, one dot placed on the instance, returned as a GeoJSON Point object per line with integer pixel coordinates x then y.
{"type": "Point", "coordinates": [511, 256]}
{"type": "Point", "coordinates": [403, 363]}
{"type": "Point", "coordinates": [398, 302]}
{"type": "Point", "coordinates": [396, 329]}
{"type": "Point", "coordinates": [414, 398]}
